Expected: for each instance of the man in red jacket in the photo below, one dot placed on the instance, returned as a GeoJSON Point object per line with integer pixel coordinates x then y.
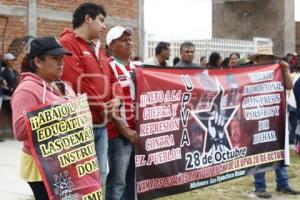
{"type": "Point", "coordinates": [90, 73]}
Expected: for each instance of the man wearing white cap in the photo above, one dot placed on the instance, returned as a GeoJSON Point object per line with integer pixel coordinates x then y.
{"type": "Point", "coordinates": [11, 77]}
{"type": "Point", "coordinates": [9, 57]}
{"type": "Point", "coordinates": [264, 55]}
{"type": "Point", "coordinates": [120, 182]}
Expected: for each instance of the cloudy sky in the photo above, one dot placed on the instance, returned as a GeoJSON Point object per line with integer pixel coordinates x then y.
{"type": "Point", "coordinates": [176, 19]}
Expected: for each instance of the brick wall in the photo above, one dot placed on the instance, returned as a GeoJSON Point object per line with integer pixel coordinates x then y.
{"type": "Point", "coordinates": [17, 23]}
{"type": "Point", "coordinates": [48, 27]}
{"type": "Point", "coordinates": [119, 8]}
{"type": "Point", "coordinates": [14, 2]}
{"type": "Point", "coordinates": [16, 27]}
{"type": "Point", "coordinates": [54, 28]}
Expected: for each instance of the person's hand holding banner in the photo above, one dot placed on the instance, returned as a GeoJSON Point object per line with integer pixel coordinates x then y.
{"type": "Point", "coordinates": [284, 65]}
{"type": "Point", "coordinates": [62, 142]}
{"type": "Point", "coordinates": [288, 80]}
{"type": "Point", "coordinates": [187, 143]}
{"type": "Point", "coordinates": [132, 136]}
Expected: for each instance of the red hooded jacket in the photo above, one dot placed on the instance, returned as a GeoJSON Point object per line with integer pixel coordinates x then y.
{"type": "Point", "coordinates": [31, 92]}
{"type": "Point", "coordinates": [89, 73]}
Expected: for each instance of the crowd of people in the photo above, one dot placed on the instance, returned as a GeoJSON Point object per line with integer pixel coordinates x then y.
{"type": "Point", "coordinates": [264, 55]}
{"type": "Point", "coordinates": [76, 64]}
{"type": "Point", "coordinates": [9, 78]}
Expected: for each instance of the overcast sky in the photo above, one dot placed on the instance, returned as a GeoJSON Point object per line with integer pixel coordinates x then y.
{"type": "Point", "coordinates": [183, 19]}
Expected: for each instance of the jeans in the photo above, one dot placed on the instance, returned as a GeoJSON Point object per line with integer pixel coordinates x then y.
{"type": "Point", "coordinates": [281, 179]}
{"type": "Point", "coordinates": [101, 151]}
{"type": "Point", "coordinates": [121, 176]}
{"type": "Point", "coordinates": [292, 124]}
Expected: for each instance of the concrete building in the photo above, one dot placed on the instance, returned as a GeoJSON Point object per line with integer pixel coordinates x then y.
{"type": "Point", "coordinates": [245, 19]}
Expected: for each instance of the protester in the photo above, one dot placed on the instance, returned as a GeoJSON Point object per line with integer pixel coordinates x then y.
{"type": "Point", "coordinates": [11, 77]}
{"type": "Point", "coordinates": [264, 55]}
{"type": "Point", "coordinates": [291, 60]}
{"type": "Point", "coordinates": [162, 55]}
{"type": "Point", "coordinates": [292, 110]}
{"type": "Point", "coordinates": [176, 60]}
{"type": "Point", "coordinates": [225, 63]}
{"type": "Point", "coordinates": [2, 83]}
{"type": "Point", "coordinates": [39, 84]}
{"type": "Point", "coordinates": [90, 73]}
{"type": "Point", "coordinates": [121, 131]}
{"type": "Point", "coordinates": [244, 62]}
{"type": "Point", "coordinates": [1, 87]}
{"type": "Point", "coordinates": [215, 60]}
{"type": "Point", "coordinates": [187, 54]}
{"type": "Point", "coordinates": [233, 59]}
{"type": "Point", "coordinates": [289, 57]}
{"type": "Point", "coordinates": [203, 61]}
{"type": "Point", "coordinates": [292, 106]}
{"type": "Point", "coordinates": [296, 92]}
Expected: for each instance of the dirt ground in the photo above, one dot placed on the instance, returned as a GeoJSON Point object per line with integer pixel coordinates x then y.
{"type": "Point", "coordinates": [242, 188]}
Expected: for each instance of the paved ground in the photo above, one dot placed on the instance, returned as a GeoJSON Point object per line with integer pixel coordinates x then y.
{"type": "Point", "coordinates": [12, 187]}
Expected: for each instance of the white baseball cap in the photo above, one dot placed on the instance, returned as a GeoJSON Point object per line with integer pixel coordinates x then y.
{"type": "Point", "coordinates": [117, 32]}
{"type": "Point", "coordinates": [9, 56]}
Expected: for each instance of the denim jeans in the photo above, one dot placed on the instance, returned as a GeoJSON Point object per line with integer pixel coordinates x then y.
{"type": "Point", "coordinates": [120, 182]}
{"type": "Point", "coordinates": [281, 179]}
{"type": "Point", "coordinates": [292, 123]}
{"type": "Point", "coordinates": [101, 151]}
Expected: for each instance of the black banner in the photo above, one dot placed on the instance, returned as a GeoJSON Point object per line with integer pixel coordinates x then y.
{"type": "Point", "coordinates": [62, 142]}
{"type": "Point", "coordinates": [200, 127]}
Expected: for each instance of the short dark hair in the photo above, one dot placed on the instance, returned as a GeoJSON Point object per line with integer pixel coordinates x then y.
{"type": "Point", "coordinates": [161, 46]}
{"type": "Point", "coordinates": [213, 59]}
{"type": "Point", "coordinates": [84, 9]}
{"type": "Point", "coordinates": [186, 44]}
{"type": "Point", "coordinates": [175, 61]}
{"type": "Point", "coordinates": [224, 63]}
